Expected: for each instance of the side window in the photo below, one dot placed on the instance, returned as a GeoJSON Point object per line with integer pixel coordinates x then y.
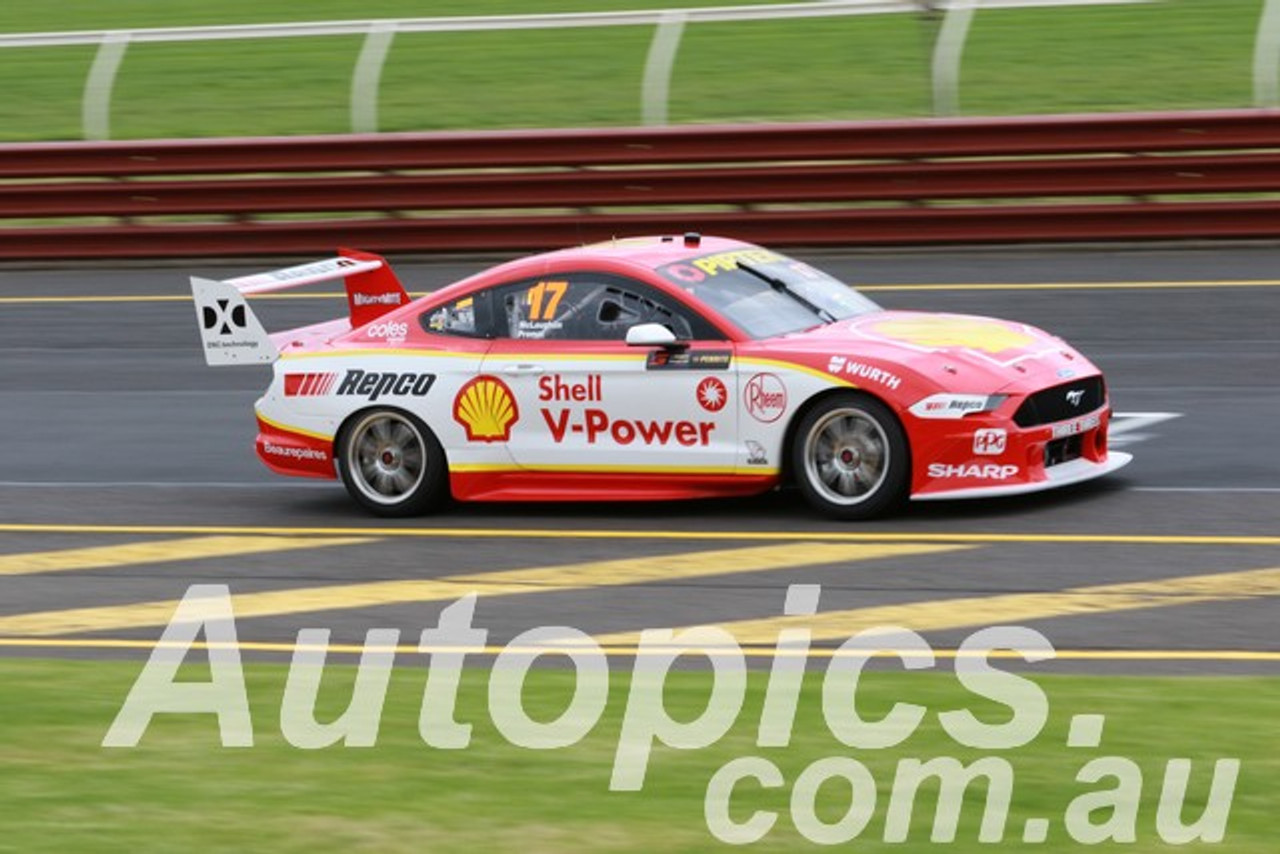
{"type": "Point", "coordinates": [455, 318]}
{"type": "Point", "coordinates": [585, 307]}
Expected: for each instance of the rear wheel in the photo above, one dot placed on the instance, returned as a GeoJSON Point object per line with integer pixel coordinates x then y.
{"type": "Point", "coordinates": [392, 464]}
{"type": "Point", "coordinates": [850, 457]}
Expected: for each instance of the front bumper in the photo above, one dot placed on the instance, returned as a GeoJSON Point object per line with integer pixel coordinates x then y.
{"type": "Point", "coordinates": [1063, 474]}
{"type": "Point", "coordinates": [988, 454]}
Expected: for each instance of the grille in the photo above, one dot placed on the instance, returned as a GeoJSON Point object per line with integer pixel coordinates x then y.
{"type": "Point", "coordinates": [1063, 450]}
{"type": "Point", "coordinates": [1055, 404]}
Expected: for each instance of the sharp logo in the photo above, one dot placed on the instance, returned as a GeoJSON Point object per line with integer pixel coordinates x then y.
{"type": "Point", "coordinates": [972, 470]}
{"type": "Point", "coordinates": [1075, 396]}
{"type": "Point", "coordinates": [223, 316]}
{"type": "Point", "coordinates": [376, 384]}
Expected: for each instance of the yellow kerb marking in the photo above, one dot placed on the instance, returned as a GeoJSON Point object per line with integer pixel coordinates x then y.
{"type": "Point", "coordinates": [581, 576]}
{"type": "Point", "coordinates": [163, 551]}
{"type": "Point", "coordinates": [1008, 609]}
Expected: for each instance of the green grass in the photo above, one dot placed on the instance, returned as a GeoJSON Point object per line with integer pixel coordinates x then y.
{"type": "Point", "coordinates": [60, 791]}
{"type": "Point", "coordinates": [1175, 54]}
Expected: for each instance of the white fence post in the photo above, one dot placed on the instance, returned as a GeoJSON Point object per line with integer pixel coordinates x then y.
{"type": "Point", "coordinates": [368, 74]}
{"type": "Point", "coordinates": [655, 97]}
{"type": "Point", "coordinates": [1266, 57]}
{"type": "Point", "coordinates": [947, 51]}
{"type": "Point", "coordinates": [95, 109]}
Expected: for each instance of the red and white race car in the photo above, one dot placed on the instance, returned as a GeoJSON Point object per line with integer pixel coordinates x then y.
{"type": "Point", "coordinates": [656, 368]}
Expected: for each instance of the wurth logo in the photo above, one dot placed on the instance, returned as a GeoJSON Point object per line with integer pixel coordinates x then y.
{"type": "Point", "coordinates": [308, 385]}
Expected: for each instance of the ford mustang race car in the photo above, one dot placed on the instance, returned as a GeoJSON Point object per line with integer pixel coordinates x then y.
{"type": "Point", "coordinates": [655, 368]}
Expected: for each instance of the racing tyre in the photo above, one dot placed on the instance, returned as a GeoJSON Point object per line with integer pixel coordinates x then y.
{"type": "Point", "coordinates": [392, 464]}
{"type": "Point", "coordinates": [850, 457]}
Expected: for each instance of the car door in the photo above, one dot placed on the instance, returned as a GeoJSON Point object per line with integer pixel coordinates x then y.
{"type": "Point", "coordinates": [588, 401]}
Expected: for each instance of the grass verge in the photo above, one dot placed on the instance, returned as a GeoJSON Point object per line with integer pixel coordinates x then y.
{"type": "Point", "coordinates": [178, 790]}
{"type": "Point", "coordinates": [1174, 54]}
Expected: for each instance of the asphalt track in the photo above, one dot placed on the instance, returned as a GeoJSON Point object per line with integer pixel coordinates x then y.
{"type": "Point", "coordinates": [127, 475]}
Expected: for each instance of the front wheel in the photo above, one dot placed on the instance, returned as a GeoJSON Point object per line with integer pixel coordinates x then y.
{"type": "Point", "coordinates": [850, 457]}
{"type": "Point", "coordinates": [392, 464]}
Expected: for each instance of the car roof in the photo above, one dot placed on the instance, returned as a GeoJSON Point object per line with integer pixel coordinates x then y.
{"type": "Point", "coordinates": [648, 252]}
{"type": "Point", "coordinates": [626, 254]}
{"type": "Point", "coordinates": [651, 251]}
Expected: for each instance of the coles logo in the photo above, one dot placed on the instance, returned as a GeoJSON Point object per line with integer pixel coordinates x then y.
{"type": "Point", "coordinates": [765, 397]}
{"type": "Point", "coordinates": [391, 330]}
{"type": "Point", "coordinates": [712, 395]}
{"type": "Point", "coordinates": [486, 409]}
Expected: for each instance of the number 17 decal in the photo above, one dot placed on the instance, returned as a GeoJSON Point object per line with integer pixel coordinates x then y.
{"type": "Point", "coordinates": [539, 292]}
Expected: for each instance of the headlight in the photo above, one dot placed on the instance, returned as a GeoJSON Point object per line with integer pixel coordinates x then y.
{"type": "Point", "coordinates": [956, 405]}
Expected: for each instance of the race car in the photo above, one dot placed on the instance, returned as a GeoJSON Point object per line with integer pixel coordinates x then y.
{"type": "Point", "coordinates": [655, 368]}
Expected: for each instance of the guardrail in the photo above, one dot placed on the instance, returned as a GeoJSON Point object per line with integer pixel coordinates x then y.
{"type": "Point", "coordinates": [1108, 177]}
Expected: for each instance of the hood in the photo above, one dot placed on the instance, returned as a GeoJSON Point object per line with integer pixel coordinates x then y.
{"type": "Point", "coordinates": [977, 354]}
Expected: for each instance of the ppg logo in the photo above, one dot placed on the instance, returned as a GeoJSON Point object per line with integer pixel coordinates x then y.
{"type": "Point", "coordinates": [223, 319]}
{"type": "Point", "coordinates": [990, 441]}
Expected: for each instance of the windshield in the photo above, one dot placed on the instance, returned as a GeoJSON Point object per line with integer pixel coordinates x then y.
{"type": "Point", "coordinates": [767, 294]}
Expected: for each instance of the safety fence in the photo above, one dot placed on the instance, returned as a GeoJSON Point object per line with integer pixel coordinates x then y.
{"type": "Point", "coordinates": [935, 181]}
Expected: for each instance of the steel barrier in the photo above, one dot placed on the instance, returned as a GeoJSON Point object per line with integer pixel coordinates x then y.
{"type": "Point", "coordinates": [1135, 176]}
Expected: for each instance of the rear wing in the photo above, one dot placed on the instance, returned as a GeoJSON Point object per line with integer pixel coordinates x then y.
{"type": "Point", "coordinates": [232, 335]}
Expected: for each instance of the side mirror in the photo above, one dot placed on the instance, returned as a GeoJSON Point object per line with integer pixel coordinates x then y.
{"type": "Point", "coordinates": [651, 335]}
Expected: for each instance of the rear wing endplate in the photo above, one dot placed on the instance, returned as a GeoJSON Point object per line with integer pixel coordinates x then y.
{"type": "Point", "coordinates": [231, 333]}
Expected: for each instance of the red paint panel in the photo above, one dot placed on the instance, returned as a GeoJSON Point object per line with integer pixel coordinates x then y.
{"type": "Point", "coordinates": [295, 454]}
{"type": "Point", "coordinates": [520, 485]}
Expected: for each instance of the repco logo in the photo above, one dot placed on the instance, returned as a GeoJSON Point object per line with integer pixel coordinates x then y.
{"type": "Point", "coordinates": [376, 384]}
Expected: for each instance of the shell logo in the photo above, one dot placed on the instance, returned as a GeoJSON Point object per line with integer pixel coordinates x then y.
{"type": "Point", "coordinates": [988, 336]}
{"type": "Point", "coordinates": [486, 409]}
